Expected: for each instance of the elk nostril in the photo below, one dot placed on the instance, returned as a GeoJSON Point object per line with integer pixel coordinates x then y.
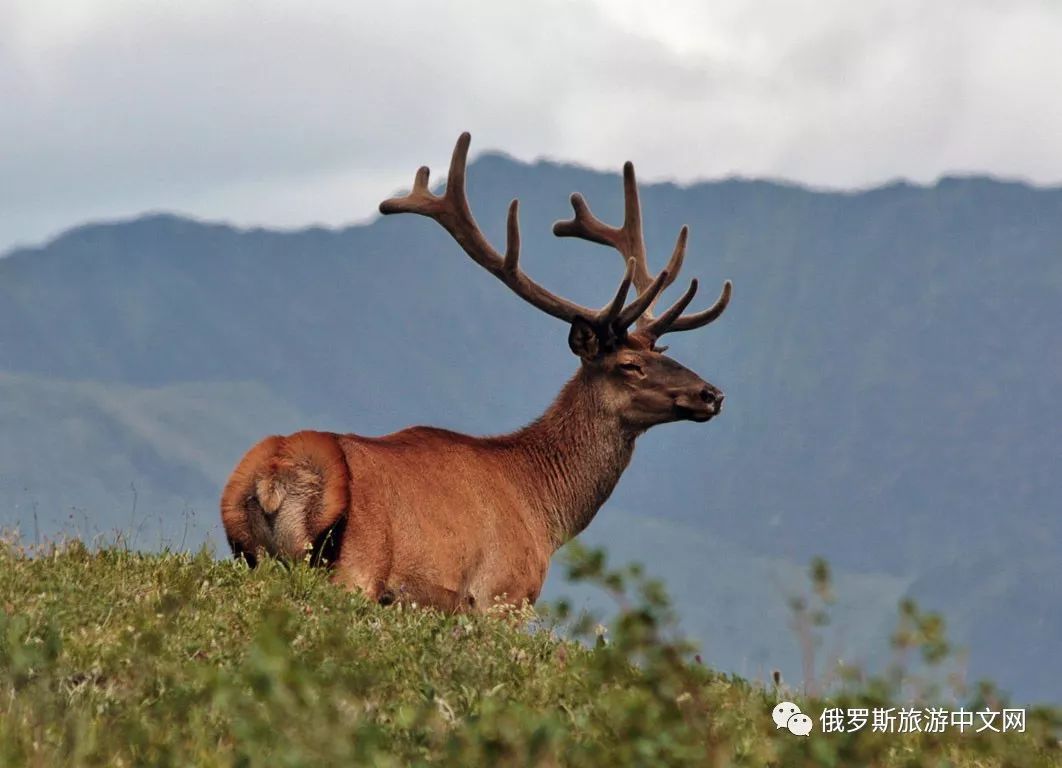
{"type": "Point", "coordinates": [706, 395]}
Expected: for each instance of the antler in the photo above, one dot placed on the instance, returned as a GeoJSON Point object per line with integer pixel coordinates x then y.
{"type": "Point", "coordinates": [452, 211]}
{"type": "Point", "coordinates": [630, 243]}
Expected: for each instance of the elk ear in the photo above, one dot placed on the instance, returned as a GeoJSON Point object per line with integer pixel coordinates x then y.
{"type": "Point", "coordinates": [583, 340]}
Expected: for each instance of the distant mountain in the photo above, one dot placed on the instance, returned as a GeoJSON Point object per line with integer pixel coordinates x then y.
{"type": "Point", "coordinates": [891, 360]}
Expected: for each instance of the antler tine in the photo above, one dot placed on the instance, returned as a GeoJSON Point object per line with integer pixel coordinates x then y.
{"type": "Point", "coordinates": [643, 301]}
{"type": "Point", "coordinates": [585, 224]}
{"type": "Point", "coordinates": [632, 225]}
{"type": "Point", "coordinates": [674, 264]}
{"type": "Point", "coordinates": [423, 201]}
{"type": "Point", "coordinates": [455, 177]}
{"type": "Point", "coordinates": [702, 318]}
{"type": "Point", "coordinates": [672, 319]}
{"type": "Point", "coordinates": [420, 199]}
{"type": "Point", "coordinates": [511, 263]}
{"type": "Point", "coordinates": [608, 315]}
{"type": "Point", "coordinates": [659, 326]}
{"type": "Point", "coordinates": [628, 239]}
{"type": "Point", "coordinates": [452, 211]}
{"type": "Point", "coordinates": [678, 255]}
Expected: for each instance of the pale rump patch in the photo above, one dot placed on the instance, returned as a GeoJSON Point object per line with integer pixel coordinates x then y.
{"type": "Point", "coordinates": [284, 494]}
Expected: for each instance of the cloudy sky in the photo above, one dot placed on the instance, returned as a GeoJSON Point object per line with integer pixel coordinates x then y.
{"type": "Point", "coordinates": [291, 113]}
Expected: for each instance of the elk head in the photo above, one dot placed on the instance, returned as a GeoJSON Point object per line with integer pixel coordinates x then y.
{"type": "Point", "coordinates": [635, 380]}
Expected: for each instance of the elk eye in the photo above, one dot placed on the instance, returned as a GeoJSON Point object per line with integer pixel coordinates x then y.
{"type": "Point", "coordinates": [631, 367]}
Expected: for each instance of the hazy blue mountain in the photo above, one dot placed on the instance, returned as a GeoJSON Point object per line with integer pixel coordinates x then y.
{"type": "Point", "coordinates": [891, 359]}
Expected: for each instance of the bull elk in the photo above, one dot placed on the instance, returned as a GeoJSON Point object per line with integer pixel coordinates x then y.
{"type": "Point", "coordinates": [439, 518]}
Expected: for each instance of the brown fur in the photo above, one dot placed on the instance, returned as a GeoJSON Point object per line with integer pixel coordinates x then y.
{"type": "Point", "coordinates": [444, 519]}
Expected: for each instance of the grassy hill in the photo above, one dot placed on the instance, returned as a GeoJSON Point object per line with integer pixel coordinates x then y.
{"type": "Point", "coordinates": [113, 657]}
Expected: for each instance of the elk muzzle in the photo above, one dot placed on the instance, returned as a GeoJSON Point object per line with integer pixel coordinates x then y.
{"type": "Point", "coordinates": [699, 403]}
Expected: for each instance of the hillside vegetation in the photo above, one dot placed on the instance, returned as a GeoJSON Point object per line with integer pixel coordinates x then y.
{"type": "Point", "coordinates": [114, 657]}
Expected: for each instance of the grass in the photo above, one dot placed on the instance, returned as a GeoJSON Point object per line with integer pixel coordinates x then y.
{"type": "Point", "coordinates": [119, 658]}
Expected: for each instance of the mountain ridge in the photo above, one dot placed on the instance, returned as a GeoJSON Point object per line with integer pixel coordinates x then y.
{"type": "Point", "coordinates": [946, 179]}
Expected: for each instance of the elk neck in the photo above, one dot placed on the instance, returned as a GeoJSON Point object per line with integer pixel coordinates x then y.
{"type": "Point", "coordinates": [572, 457]}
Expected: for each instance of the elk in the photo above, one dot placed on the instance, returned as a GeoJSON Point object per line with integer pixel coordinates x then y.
{"type": "Point", "coordinates": [443, 519]}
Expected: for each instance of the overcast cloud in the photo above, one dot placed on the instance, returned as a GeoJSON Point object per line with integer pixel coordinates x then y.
{"type": "Point", "coordinates": [292, 113]}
